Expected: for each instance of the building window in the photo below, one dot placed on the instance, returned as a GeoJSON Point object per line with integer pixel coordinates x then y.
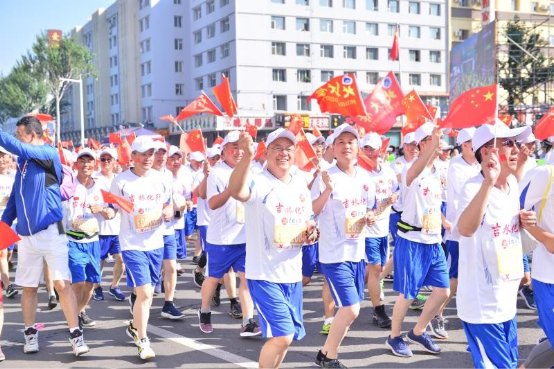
{"type": "Point", "coordinates": [435, 56]}
{"type": "Point", "coordinates": [210, 30]}
{"type": "Point", "coordinates": [349, 4]}
{"type": "Point", "coordinates": [196, 13]}
{"type": "Point", "coordinates": [414, 7]}
{"type": "Point", "coordinates": [211, 55]}
{"type": "Point", "coordinates": [277, 22]}
{"type": "Point", "coordinates": [224, 50]}
{"type": "Point", "coordinates": [303, 2]}
{"type": "Point", "coordinates": [371, 53]}
{"type": "Point", "coordinates": [178, 44]}
{"type": "Point", "coordinates": [372, 5]}
{"type": "Point", "coordinates": [178, 66]}
{"type": "Point", "coordinates": [326, 25]}
{"type": "Point", "coordinates": [197, 37]}
{"type": "Point", "coordinates": [278, 48]}
{"type": "Point", "coordinates": [303, 49]}
{"type": "Point", "coordinates": [435, 33]}
{"type": "Point", "coordinates": [279, 75]}
{"type": "Point", "coordinates": [279, 102]}
{"type": "Point", "coordinates": [349, 27]}
{"type": "Point", "coordinates": [372, 29]}
{"type": "Point", "coordinates": [326, 3]}
{"type": "Point", "coordinates": [199, 83]}
{"type": "Point", "coordinates": [198, 60]}
{"type": "Point", "coordinates": [302, 24]}
{"type": "Point", "coordinates": [223, 3]}
{"type": "Point", "coordinates": [144, 23]}
{"type": "Point", "coordinates": [212, 80]}
{"type": "Point", "coordinates": [326, 51]}
{"type": "Point", "coordinates": [371, 78]}
{"type": "Point", "coordinates": [349, 52]}
{"type": "Point", "coordinates": [225, 25]}
{"type": "Point", "coordinates": [302, 103]}
{"type": "Point", "coordinates": [414, 32]}
{"type": "Point", "coordinates": [326, 75]}
{"type": "Point", "coordinates": [210, 6]}
{"type": "Point", "coordinates": [435, 9]}
{"type": "Point", "coordinates": [393, 6]}
{"type": "Point", "coordinates": [391, 28]}
{"type": "Point", "coordinates": [304, 76]}
{"type": "Point", "coordinates": [435, 80]}
{"type": "Point", "coordinates": [179, 89]}
{"type": "Point", "coordinates": [177, 21]}
{"type": "Point", "coordinates": [278, 1]}
{"type": "Point", "coordinates": [177, 2]}
{"type": "Point", "coordinates": [144, 3]}
{"type": "Point", "coordinates": [415, 55]}
{"type": "Point", "coordinates": [415, 79]}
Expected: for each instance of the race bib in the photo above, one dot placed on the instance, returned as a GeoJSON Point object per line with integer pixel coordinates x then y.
{"type": "Point", "coordinates": [353, 227]}
{"type": "Point", "coordinates": [509, 255]}
{"type": "Point", "coordinates": [147, 220]}
{"type": "Point", "coordinates": [240, 212]}
{"type": "Point", "coordinates": [431, 223]}
{"type": "Point", "coordinates": [285, 236]}
{"type": "Point", "coordinates": [85, 223]}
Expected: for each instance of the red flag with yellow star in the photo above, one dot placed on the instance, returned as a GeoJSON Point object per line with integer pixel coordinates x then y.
{"type": "Point", "coordinates": [54, 38]}
{"type": "Point", "coordinates": [340, 95]}
{"type": "Point", "coordinates": [506, 118]}
{"type": "Point", "coordinates": [545, 126]}
{"type": "Point", "coordinates": [202, 104]}
{"type": "Point", "coordinates": [218, 140]}
{"type": "Point", "coordinates": [222, 93]}
{"type": "Point", "coordinates": [417, 112]}
{"type": "Point", "coordinates": [192, 141]}
{"type": "Point", "coordinates": [473, 108]}
{"type": "Point", "coordinates": [251, 129]}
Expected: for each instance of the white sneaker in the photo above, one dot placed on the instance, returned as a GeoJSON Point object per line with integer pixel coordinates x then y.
{"type": "Point", "coordinates": [144, 349]}
{"type": "Point", "coordinates": [31, 341]}
{"type": "Point", "coordinates": [78, 342]}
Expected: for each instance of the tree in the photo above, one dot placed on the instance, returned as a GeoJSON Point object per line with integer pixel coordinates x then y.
{"type": "Point", "coordinates": [523, 68]}
{"type": "Point", "coordinates": [21, 93]}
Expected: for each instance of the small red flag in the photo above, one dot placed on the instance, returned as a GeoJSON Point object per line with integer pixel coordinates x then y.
{"type": "Point", "coordinates": [506, 119]}
{"type": "Point", "coordinates": [260, 150]}
{"type": "Point", "coordinates": [473, 108]}
{"type": "Point", "coordinates": [395, 50]}
{"type": "Point", "coordinates": [130, 138]}
{"type": "Point", "coordinates": [545, 126]}
{"type": "Point", "coordinates": [296, 124]}
{"type": "Point", "coordinates": [385, 145]}
{"type": "Point", "coordinates": [202, 104]}
{"type": "Point", "coordinates": [9, 237]}
{"type": "Point", "coordinates": [123, 203]}
{"type": "Point", "coordinates": [251, 129]}
{"type": "Point", "coordinates": [192, 141]}
{"type": "Point", "coordinates": [304, 155]}
{"type": "Point", "coordinates": [61, 153]}
{"type": "Point", "coordinates": [218, 140]}
{"type": "Point", "coordinates": [316, 132]}
{"type": "Point", "coordinates": [114, 138]}
{"type": "Point", "coordinates": [340, 95]}
{"type": "Point", "coordinates": [169, 118]}
{"type": "Point", "coordinates": [366, 162]}
{"type": "Point", "coordinates": [124, 152]}
{"type": "Point", "coordinates": [93, 144]}
{"type": "Point", "coordinates": [43, 118]}
{"type": "Point", "coordinates": [416, 112]}
{"type": "Point", "coordinates": [222, 93]}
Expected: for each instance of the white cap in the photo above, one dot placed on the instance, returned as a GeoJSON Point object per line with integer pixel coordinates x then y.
{"type": "Point", "coordinates": [280, 133]}
{"type": "Point", "coordinates": [372, 140]}
{"type": "Point", "coordinates": [86, 151]}
{"type": "Point", "coordinates": [108, 151]}
{"type": "Point", "coordinates": [5, 151]}
{"type": "Point", "coordinates": [143, 144]}
{"type": "Point", "coordinates": [196, 156]}
{"type": "Point", "coordinates": [529, 139]}
{"type": "Point", "coordinates": [445, 145]}
{"type": "Point", "coordinates": [425, 130]}
{"type": "Point", "coordinates": [231, 137]}
{"type": "Point", "coordinates": [409, 138]}
{"type": "Point", "coordinates": [313, 139]}
{"type": "Point", "coordinates": [175, 150]}
{"type": "Point", "coordinates": [344, 128]}
{"type": "Point", "coordinates": [160, 145]}
{"type": "Point", "coordinates": [329, 140]}
{"type": "Point", "coordinates": [487, 132]}
{"type": "Point", "coordinates": [465, 135]}
{"type": "Point", "coordinates": [213, 151]}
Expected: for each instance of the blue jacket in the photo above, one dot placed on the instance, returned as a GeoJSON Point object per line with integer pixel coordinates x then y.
{"type": "Point", "coordinates": [35, 199]}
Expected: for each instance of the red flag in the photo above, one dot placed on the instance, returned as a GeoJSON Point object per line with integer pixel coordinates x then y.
{"type": "Point", "coordinates": [130, 138]}
{"type": "Point", "coordinates": [395, 50]}
{"type": "Point", "coordinates": [545, 126]}
{"type": "Point", "coordinates": [9, 237]}
{"type": "Point", "coordinates": [61, 153]}
{"type": "Point", "coordinates": [123, 203]}
{"type": "Point", "coordinates": [506, 118]}
{"type": "Point", "coordinates": [260, 150]}
{"type": "Point", "coordinates": [222, 93]}
{"type": "Point", "coordinates": [169, 118]}
{"type": "Point", "coordinates": [114, 138]}
{"type": "Point", "coordinates": [202, 104]}
{"type": "Point", "coordinates": [432, 110]}
{"type": "Point", "coordinates": [340, 95]}
{"type": "Point", "coordinates": [296, 124]}
{"type": "Point", "coordinates": [251, 129]}
{"type": "Point", "coordinates": [54, 38]}
{"type": "Point", "coordinates": [316, 132]}
{"type": "Point", "coordinates": [366, 162]}
{"type": "Point", "coordinates": [218, 140]}
{"type": "Point", "coordinates": [93, 144]}
{"type": "Point", "coordinates": [473, 108]}
{"type": "Point", "coordinates": [416, 112]}
{"type": "Point", "coordinates": [304, 154]}
{"type": "Point", "coordinates": [192, 141]}
{"type": "Point", "coordinates": [42, 117]}
{"type": "Point", "coordinates": [385, 145]}
{"type": "Point", "coordinates": [383, 105]}
{"type": "Point", "coordinates": [124, 153]}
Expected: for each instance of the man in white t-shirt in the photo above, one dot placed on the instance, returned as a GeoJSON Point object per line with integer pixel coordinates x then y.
{"type": "Point", "coordinates": [489, 266]}
{"type": "Point", "coordinates": [142, 244]}
{"type": "Point", "coordinates": [279, 212]}
{"type": "Point", "coordinates": [226, 239]}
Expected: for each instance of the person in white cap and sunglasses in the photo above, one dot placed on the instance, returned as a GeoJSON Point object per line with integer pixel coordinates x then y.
{"type": "Point", "coordinates": [489, 266]}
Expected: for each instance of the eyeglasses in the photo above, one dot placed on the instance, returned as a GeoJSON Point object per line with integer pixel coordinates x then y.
{"type": "Point", "coordinates": [286, 150]}
{"type": "Point", "coordinates": [104, 160]}
{"type": "Point", "coordinates": [511, 143]}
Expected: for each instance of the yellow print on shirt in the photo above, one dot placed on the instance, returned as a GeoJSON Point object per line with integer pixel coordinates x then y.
{"type": "Point", "coordinates": [354, 226]}
{"type": "Point", "coordinates": [147, 220]}
{"type": "Point", "coordinates": [288, 235]}
{"type": "Point", "coordinates": [431, 221]}
{"type": "Point", "coordinates": [240, 212]}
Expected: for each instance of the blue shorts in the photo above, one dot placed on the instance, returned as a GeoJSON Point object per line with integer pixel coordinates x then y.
{"type": "Point", "coordinates": [170, 247]}
{"type": "Point", "coordinates": [190, 222]}
{"type": "Point", "coordinates": [222, 257]}
{"type": "Point", "coordinates": [416, 265]}
{"type": "Point", "coordinates": [203, 231]}
{"type": "Point", "coordinates": [346, 281]}
{"type": "Point", "coordinates": [181, 240]}
{"type": "Point", "coordinates": [84, 261]}
{"type": "Point", "coordinates": [453, 248]}
{"type": "Point", "coordinates": [109, 245]}
{"type": "Point", "coordinates": [143, 267]}
{"type": "Point", "coordinates": [310, 259]}
{"type": "Point", "coordinates": [544, 298]}
{"type": "Point", "coordinates": [526, 268]}
{"type": "Point", "coordinates": [493, 345]}
{"type": "Point", "coordinates": [393, 226]}
{"type": "Point", "coordinates": [279, 307]}
{"type": "Point", "coordinates": [376, 250]}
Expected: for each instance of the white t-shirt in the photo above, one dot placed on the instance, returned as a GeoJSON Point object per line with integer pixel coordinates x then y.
{"type": "Point", "coordinates": [533, 187]}
{"type": "Point", "coordinates": [202, 208]}
{"type": "Point", "coordinates": [141, 230]}
{"type": "Point", "coordinates": [442, 167]}
{"type": "Point", "coordinates": [166, 177]}
{"type": "Point", "coordinates": [180, 191]}
{"type": "Point", "coordinates": [79, 217]}
{"type": "Point", "coordinates": [6, 184]}
{"type": "Point", "coordinates": [549, 157]}
{"type": "Point", "coordinates": [342, 220]}
{"type": "Point", "coordinates": [277, 213]}
{"type": "Point", "coordinates": [108, 227]}
{"type": "Point", "coordinates": [189, 175]}
{"type": "Point", "coordinates": [386, 183]}
{"type": "Point", "coordinates": [422, 206]}
{"type": "Point", "coordinates": [459, 172]}
{"type": "Point", "coordinates": [489, 265]}
{"type": "Point", "coordinates": [227, 222]}
{"type": "Point", "coordinates": [399, 166]}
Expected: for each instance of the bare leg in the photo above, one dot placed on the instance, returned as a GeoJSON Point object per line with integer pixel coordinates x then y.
{"type": "Point", "coordinates": [273, 352]}
{"type": "Point", "coordinates": [343, 319]}
{"type": "Point", "coordinates": [141, 309]}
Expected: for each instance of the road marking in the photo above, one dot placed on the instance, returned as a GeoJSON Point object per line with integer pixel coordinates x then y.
{"type": "Point", "coordinates": [202, 347]}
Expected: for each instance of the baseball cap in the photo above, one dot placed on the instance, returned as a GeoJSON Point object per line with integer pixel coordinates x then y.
{"type": "Point", "coordinates": [86, 151]}
{"type": "Point", "coordinates": [425, 130]}
{"type": "Point", "coordinates": [313, 139]}
{"type": "Point", "coordinates": [231, 137]}
{"type": "Point", "coordinates": [280, 133]}
{"type": "Point", "coordinates": [372, 140]}
{"type": "Point", "coordinates": [529, 139]}
{"type": "Point", "coordinates": [445, 145]}
{"type": "Point", "coordinates": [487, 132]}
{"type": "Point", "coordinates": [160, 145]}
{"type": "Point", "coordinates": [329, 140]}
{"type": "Point", "coordinates": [409, 138]}
{"type": "Point", "coordinates": [196, 156]}
{"type": "Point", "coordinates": [143, 144]}
{"type": "Point", "coordinates": [175, 150]}
{"type": "Point", "coordinates": [345, 128]}
{"type": "Point", "coordinates": [213, 151]}
{"type": "Point", "coordinates": [108, 151]}
{"type": "Point", "coordinates": [465, 135]}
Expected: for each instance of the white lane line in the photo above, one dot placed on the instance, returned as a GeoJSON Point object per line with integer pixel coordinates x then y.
{"type": "Point", "coordinates": [207, 349]}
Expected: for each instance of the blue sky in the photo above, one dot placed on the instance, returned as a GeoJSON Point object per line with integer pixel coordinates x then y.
{"type": "Point", "coordinates": [22, 20]}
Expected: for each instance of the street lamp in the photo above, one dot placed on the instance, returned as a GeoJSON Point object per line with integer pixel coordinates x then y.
{"type": "Point", "coordinates": [80, 82]}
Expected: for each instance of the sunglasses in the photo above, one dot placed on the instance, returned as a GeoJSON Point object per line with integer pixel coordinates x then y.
{"type": "Point", "coordinates": [511, 143]}
{"type": "Point", "coordinates": [104, 160]}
